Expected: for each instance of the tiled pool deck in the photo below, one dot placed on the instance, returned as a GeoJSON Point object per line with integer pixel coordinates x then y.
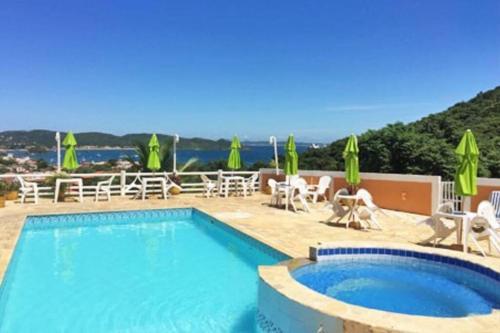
{"type": "Point", "coordinates": [291, 233]}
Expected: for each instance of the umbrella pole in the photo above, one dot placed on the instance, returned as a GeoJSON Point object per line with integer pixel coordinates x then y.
{"type": "Point", "coordinates": [466, 203]}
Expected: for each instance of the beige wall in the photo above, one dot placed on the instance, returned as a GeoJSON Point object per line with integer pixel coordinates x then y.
{"type": "Point", "coordinates": [407, 196]}
{"type": "Point", "coordinates": [408, 193]}
{"type": "Point", "coordinates": [484, 189]}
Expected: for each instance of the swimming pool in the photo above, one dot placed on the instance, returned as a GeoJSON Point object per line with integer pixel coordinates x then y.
{"type": "Point", "coordinates": [175, 270]}
{"type": "Point", "coordinates": [405, 282]}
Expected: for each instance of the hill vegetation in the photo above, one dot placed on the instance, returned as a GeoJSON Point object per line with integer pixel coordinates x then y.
{"type": "Point", "coordinates": [425, 146]}
{"type": "Point", "coordinates": [44, 139]}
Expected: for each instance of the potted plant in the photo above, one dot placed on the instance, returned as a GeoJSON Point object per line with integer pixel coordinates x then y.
{"type": "Point", "coordinates": [177, 179]}
{"type": "Point", "coordinates": [3, 187]}
{"type": "Point", "coordinates": [12, 191]}
{"type": "Point", "coordinates": [267, 190]}
{"type": "Point", "coordinates": [51, 181]}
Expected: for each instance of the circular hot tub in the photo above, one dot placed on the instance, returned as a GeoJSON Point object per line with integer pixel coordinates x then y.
{"type": "Point", "coordinates": [403, 281]}
{"type": "Point", "coordinates": [374, 286]}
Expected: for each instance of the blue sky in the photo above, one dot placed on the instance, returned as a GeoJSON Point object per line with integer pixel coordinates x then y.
{"type": "Point", "coordinates": [319, 69]}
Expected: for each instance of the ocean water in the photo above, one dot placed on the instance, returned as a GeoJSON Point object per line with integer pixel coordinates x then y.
{"type": "Point", "coordinates": [417, 287]}
{"type": "Point", "coordinates": [249, 154]}
{"type": "Point", "coordinates": [124, 273]}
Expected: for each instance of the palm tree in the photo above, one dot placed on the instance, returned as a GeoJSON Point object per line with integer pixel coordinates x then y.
{"type": "Point", "coordinates": [142, 152]}
{"type": "Point", "coordinates": [166, 160]}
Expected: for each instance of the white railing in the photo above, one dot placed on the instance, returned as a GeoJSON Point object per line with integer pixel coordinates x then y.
{"type": "Point", "coordinates": [123, 178]}
{"type": "Point", "coordinates": [448, 195]}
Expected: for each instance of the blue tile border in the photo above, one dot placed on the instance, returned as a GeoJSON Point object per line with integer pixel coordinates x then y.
{"type": "Point", "coordinates": [339, 251]}
{"type": "Point", "coordinates": [37, 222]}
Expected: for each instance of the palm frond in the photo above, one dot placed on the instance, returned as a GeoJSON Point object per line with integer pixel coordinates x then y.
{"type": "Point", "coordinates": [188, 164]}
{"type": "Point", "coordinates": [142, 151]}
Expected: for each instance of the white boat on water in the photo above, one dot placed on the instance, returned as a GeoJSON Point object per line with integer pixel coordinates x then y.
{"type": "Point", "coordinates": [314, 146]}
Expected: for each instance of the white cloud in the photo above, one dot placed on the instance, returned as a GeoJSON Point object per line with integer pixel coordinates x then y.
{"type": "Point", "coordinates": [374, 107]}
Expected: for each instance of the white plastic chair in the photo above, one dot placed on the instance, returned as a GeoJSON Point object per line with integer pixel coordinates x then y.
{"type": "Point", "coordinates": [317, 191]}
{"type": "Point", "coordinates": [442, 227]}
{"type": "Point", "coordinates": [367, 212]}
{"type": "Point", "coordinates": [104, 188]}
{"type": "Point", "coordinates": [485, 227]}
{"type": "Point", "coordinates": [249, 184]}
{"type": "Point", "coordinates": [275, 192]}
{"type": "Point", "coordinates": [27, 188]}
{"type": "Point", "coordinates": [495, 201]}
{"type": "Point", "coordinates": [208, 185]}
{"type": "Point", "coordinates": [339, 211]}
{"type": "Point", "coordinates": [302, 192]}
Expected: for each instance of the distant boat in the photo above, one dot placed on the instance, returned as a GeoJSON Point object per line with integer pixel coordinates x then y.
{"type": "Point", "coordinates": [314, 146]}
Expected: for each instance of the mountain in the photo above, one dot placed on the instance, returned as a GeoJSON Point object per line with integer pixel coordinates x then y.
{"type": "Point", "coordinates": [44, 139]}
{"type": "Point", "coordinates": [425, 146]}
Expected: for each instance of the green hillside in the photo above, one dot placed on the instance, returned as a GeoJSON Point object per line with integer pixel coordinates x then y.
{"type": "Point", "coordinates": [425, 146]}
{"type": "Point", "coordinates": [45, 139]}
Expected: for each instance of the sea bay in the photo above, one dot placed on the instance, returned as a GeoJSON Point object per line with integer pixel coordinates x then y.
{"type": "Point", "coordinates": [249, 154]}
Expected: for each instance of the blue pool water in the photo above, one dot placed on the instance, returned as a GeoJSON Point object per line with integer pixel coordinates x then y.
{"type": "Point", "coordinates": [408, 285]}
{"type": "Point", "coordinates": [157, 271]}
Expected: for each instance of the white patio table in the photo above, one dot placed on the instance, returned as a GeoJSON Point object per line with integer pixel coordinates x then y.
{"type": "Point", "coordinates": [288, 189]}
{"type": "Point", "coordinates": [227, 180]}
{"type": "Point", "coordinates": [148, 181]}
{"type": "Point", "coordinates": [77, 181]}
{"type": "Point", "coordinates": [462, 220]}
{"type": "Point", "coordinates": [352, 203]}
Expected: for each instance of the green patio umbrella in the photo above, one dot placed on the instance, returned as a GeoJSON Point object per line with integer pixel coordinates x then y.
{"type": "Point", "coordinates": [350, 155]}
{"type": "Point", "coordinates": [234, 159]}
{"type": "Point", "coordinates": [70, 161]}
{"type": "Point", "coordinates": [291, 157]}
{"type": "Point", "coordinates": [154, 154]}
{"type": "Point", "coordinates": [468, 157]}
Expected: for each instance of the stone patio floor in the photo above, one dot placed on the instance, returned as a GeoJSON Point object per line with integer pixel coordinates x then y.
{"type": "Point", "coordinates": [289, 232]}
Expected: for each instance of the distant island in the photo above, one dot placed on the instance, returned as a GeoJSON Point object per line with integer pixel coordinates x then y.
{"type": "Point", "coordinates": [41, 140]}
